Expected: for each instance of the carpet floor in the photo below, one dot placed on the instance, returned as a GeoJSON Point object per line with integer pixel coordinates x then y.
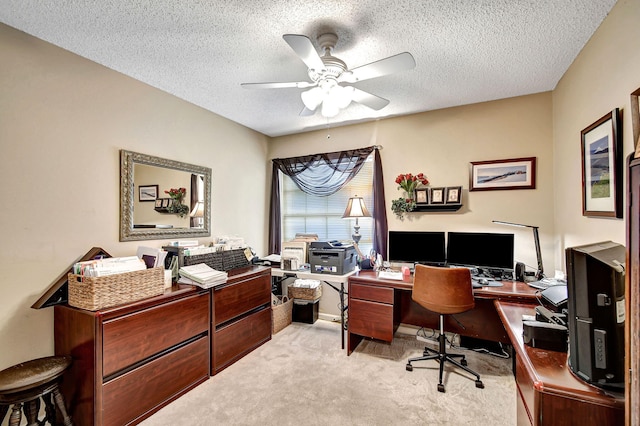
{"type": "Point", "coordinates": [302, 376]}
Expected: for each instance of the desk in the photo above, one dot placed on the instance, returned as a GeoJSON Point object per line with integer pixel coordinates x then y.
{"type": "Point", "coordinates": [378, 306]}
{"type": "Point", "coordinates": [327, 279]}
{"type": "Point", "coordinates": [548, 392]}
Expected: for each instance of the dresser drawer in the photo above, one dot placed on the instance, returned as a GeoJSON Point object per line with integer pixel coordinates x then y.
{"type": "Point", "coordinates": [132, 338]}
{"type": "Point", "coordinates": [240, 297]}
{"type": "Point", "coordinates": [147, 388]}
{"type": "Point", "coordinates": [372, 293]}
{"type": "Point", "coordinates": [234, 340]}
{"type": "Point", "coordinates": [371, 319]}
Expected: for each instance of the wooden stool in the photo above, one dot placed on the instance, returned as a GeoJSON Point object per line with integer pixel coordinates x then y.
{"type": "Point", "coordinates": [24, 384]}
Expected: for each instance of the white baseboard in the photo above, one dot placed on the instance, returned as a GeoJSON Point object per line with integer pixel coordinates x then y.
{"type": "Point", "coordinates": [328, 317]}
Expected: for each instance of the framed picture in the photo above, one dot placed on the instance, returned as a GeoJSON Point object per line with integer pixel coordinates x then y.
{"type": "Point", "coordinates": [422, 196]}
{"type": "Point", "coordinates": [437, 196]}
{"type": "Point", "coordinates": [158, 203]}
{"type": "Point", "coordinates": [602, 167]}
{"type": "Point", "coordinates": [635, 121]}
{"type": "Point", "coordinates": [147, 192]}
{"type": "Point", "coordinates": [453, 195]}
{"type": "Point", "coordinates": [515, 173]}
{"type": "Point", "coordinates": [166, 202]}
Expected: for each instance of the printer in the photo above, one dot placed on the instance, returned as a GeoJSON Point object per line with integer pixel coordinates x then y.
{"type": "Point", "coordinates": [332, 257]}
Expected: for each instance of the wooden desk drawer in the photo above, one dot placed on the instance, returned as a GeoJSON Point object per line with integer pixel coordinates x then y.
{"type": "Point", "coordinates": [132, 338]}
{"type": "Point", "coordinates": [371, 319]}
{"type": "Point", "coordinates": [238, 298]}
{"type": "Point", "coordinates": [232, 341]}
{"type": "Point", "coordinates": [147, 388]}
{"type": "Point", "coordinates": [371, 293]}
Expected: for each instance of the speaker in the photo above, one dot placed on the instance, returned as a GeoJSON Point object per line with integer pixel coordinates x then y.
{"type": "Point", "coordinates": [520, 271]}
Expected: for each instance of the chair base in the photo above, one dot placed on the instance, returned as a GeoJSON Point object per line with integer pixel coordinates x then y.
{"type": "Point", "coordinates": [443, 357]}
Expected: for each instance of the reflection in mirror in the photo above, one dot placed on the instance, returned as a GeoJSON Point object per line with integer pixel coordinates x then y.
{"type": "Point", "coordinates": [162, 198]}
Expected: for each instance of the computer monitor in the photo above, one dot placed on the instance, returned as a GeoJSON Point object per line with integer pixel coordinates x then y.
{"type": "Point", "coordinates": [596, 304]}
{"type": "Point", "coordinates": [480, 250]}
{"type": "Point", "coordinates": [426, 248]}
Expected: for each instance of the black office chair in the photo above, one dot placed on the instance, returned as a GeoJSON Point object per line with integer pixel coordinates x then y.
{"type": "Point", "coordinates": [444, 291]}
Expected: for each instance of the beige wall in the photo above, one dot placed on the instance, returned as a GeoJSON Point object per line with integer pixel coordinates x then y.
{"type": "Point", "coordinates": [63, 120]}
{"type": "Point", "coordinates": [600, 79]}
{"type": "Point", "coordinates": [441, 144]}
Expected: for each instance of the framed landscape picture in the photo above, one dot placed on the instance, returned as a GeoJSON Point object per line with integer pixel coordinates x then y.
{"type": "Point", "coordinates": [147, 192]}
{"type": "Point", "coordinates": [515, 173]}
{"type": "Point", "coordinates": [602, 167]}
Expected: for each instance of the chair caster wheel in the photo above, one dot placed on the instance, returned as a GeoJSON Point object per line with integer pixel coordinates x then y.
{"type": "Point", "coordinates": [441, 388]}
{"type": "Point", "coordinates": [409, 367]}
{"type": "Point", "coordinates": [463, 362]}
{"type": "Point", "coordinates": [479, 384]}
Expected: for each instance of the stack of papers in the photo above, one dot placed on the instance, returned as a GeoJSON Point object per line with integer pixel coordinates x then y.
{"type": "Point", "coordinates": [108, 266]}
{"type": "Point", "coordinates": [201, 275]}
{"type": "Point", "coordinates": [390, 275]}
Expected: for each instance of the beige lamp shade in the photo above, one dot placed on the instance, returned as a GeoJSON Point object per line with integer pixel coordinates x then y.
{"type": "Point", "coordinates": [356, 208]}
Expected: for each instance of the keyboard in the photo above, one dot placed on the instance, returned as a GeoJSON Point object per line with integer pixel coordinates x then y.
{"type": "Point", "coordinates": [546, 283]}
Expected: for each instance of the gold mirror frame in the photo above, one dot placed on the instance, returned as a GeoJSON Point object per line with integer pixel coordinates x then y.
{"type": "Point", "coordinates": [127, 196]}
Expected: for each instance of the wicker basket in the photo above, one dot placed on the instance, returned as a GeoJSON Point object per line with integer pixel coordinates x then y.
{"type": "Point", "coordinates": [221, 261]}
{"type": "Point", "coordinates": [282, 313]}
{"type": "Point", "coordinates": [93, 293]}
{"type": "Point", "coordinates": [304, 292]}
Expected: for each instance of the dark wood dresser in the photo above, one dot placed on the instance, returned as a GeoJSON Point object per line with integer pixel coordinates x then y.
{"type": "Point", "coordinates": [130, 360]}
{"type": "Point", "coordinates": [241, 315]}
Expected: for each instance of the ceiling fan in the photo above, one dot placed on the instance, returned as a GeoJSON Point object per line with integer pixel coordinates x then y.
{"type": "Point", "coordinates": [330, 76]}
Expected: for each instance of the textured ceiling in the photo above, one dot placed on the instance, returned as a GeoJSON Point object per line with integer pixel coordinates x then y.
{"type": "Point", "coordinates": [466, 51]}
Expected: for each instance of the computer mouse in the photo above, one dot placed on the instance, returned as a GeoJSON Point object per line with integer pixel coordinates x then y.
{"type": "Point", "coordinates": [483, 281]}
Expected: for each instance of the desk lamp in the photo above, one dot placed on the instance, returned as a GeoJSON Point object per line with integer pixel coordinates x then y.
{"type": "Point", "coordinates": [356, 209]}
{"type": "Point", "coordinates": [536, 239]}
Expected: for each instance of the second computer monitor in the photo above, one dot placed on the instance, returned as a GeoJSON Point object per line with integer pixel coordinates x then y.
{"type": "Point", "coordinates": [477, 249]}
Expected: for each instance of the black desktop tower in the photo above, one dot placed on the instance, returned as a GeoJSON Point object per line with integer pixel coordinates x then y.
{"type": "Point", "coordinates": [596, 317]}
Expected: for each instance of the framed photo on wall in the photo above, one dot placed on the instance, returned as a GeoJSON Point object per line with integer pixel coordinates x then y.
{"type": "Point", "coordinates": [453, 195]}
{"type": "Point", "coordinates": [147, 192]}
{"type": "Point", "coordinates": [602, 167]}
{"type": "Point", "coordinates": [437, 196]}
{"type": "Point", "coordinates": [635, 121]}
{"type": "Point", "coordinates": [422, 196]}
{"type": "Point", "coordinates": [515, 173]}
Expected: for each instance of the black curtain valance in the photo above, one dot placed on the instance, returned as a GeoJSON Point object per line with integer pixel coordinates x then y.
{"type": "Point", "coordinates": [323, 174]}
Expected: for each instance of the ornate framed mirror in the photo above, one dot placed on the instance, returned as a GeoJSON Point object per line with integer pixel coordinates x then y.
{"type": "Point", "coordinates": [162, 198]}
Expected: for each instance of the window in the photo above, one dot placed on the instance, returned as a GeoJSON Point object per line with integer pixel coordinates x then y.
{"type": "Point", "coordinates": [303, 213]}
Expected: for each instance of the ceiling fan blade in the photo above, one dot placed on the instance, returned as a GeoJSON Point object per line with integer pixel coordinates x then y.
{"type": "Point", "coordinates": [305, 50]}
{"type": "Point", "coordinates": [370, 100]}
{"type": "Point", "coordinates": [392, 64]}
{"type": "Point", "coordinates": [306, 112]}
{"type": "Point", "coordinates": [299, 85]}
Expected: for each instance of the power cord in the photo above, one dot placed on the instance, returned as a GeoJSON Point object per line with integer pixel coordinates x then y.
{"type": "Point", "coordinates": [421, 335]}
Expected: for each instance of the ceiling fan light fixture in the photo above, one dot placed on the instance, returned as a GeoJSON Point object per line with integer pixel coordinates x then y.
{"type": "Point", "coordinates": [329, 108]}
{"type": "Point", "coordinates": [343, 95]}
{"type": "Point", "coordinates": [312, 98]}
